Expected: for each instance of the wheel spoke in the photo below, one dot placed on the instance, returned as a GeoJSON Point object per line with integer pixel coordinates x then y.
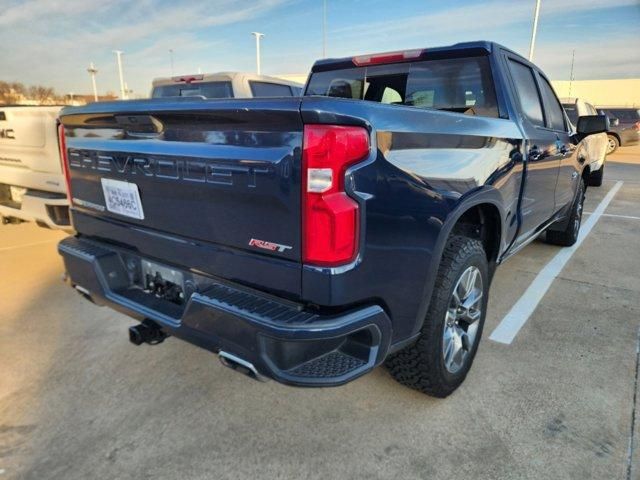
{"type": "Point", "coordinates": [462, 319]}
{"type": "Point", "coordinates": [448, 346]}
{"type": "Point", "coordinates": [472, 299]}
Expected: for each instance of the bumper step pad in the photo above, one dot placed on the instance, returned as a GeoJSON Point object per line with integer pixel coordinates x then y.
{"type": "Point", "coordinates": [280, 338]}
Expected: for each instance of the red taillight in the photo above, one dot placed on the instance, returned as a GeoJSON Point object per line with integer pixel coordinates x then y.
{"type": "Point", "coordinates": [62, 144]}
{"type": "Point", "coordinates": [636, 126]}
{"type": "Point", "coordinates": [330, 222]}
{"type": "Point", "coordinates": [388, 57]}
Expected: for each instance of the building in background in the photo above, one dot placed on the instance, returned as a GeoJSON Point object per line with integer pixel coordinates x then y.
{"type": "Point", "coordinates": [618, 92]}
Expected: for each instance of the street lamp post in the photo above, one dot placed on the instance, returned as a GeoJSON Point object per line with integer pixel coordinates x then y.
{"type": "Point", "coordinates": [92, 71]}
{"type": "Point", "coordinates": [324, 29]}
{"type": "Point", "coordinates": [258, 36]}
{"type": "Point", "coordinates": [123, 92]}
{"type": "Point", "coordinates": [171, 57]}
{"type": "Point", "coordinates": [534, 30]}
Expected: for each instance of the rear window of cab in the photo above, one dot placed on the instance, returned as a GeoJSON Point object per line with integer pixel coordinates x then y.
{"type": "Point", "coordinates": [201, 89]}
{"type": "Point", "coordinates": [461, 85]}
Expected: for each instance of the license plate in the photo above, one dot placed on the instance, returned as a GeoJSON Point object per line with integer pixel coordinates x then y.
{"type": "Point", "coordinates": [154, 272]}
{"type": "Point", "coordinates": [122, 198]}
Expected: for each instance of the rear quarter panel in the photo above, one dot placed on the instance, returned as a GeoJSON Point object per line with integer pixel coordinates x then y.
{"type": "Point", "coordinates": [425, 169]}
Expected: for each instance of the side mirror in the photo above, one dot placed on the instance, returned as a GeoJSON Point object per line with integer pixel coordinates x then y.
{"type": "Point", "coordinates": [614, 122]}
{"type": "Point", "coordinates": [591, 124]}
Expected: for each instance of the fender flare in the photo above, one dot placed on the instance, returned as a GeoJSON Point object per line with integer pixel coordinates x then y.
{"type": "Point", "coordinates": [487, 194]}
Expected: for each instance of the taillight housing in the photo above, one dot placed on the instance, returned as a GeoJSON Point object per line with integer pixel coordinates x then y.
{"type": "Point", "coordinates": [330, 218]}
{"type": "Point", "coordinates": [636, 126]}
{"type": "Point", "coordinates": [62, 145]}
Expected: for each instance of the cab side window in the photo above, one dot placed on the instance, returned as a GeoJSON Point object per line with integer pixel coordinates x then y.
{"type": "Point", "coordinates": [527, 92]}
{"type": "Point", "coordinates": [552, 108]}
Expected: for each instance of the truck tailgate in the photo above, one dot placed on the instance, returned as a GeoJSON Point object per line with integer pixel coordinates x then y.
{"type": "Point", "coordinates": [28, 142]}
{"type": "Point", "coordinates": [213, 171]}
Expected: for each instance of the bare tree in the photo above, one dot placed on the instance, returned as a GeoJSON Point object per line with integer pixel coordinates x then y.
{"type": "Point", "coordinates": [41, 94]}
{"type": "Point", "coordinates": [11, 92]}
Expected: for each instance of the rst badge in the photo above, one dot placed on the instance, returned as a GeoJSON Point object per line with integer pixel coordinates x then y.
{"type": "Point", "coordinates": [272, 247]}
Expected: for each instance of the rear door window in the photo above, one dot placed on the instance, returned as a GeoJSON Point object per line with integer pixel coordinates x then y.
{"type": "Point", "coordinates": [461, 85]}
{"type": "Point", "coordinates": [527, 92]}
{"type": "Point", "coordinates": [268, 89]}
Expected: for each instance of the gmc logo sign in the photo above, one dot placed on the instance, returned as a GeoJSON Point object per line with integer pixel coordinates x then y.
{"type": "Point", "coordinates": [7, 133]}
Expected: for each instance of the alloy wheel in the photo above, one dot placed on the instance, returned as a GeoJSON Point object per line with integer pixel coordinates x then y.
{"type": "Point", "coordinates": [462, 319]}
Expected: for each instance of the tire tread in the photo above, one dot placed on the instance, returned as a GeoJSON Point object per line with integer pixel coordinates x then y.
{"type": "Point", "coordinates": [416, 366]}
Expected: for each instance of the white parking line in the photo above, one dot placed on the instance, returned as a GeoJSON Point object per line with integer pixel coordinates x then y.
{"type": "Point", "coordinates": [15, 247]}
{"type": "Point", "coordinates": [513, 321]}
{"type": "Point", "coordinates": [613, 215]}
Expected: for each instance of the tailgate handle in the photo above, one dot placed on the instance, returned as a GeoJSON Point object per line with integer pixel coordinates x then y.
{"type": "Point", "coordinates": [140, 125]}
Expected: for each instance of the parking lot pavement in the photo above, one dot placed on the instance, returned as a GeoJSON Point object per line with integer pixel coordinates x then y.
{"type": "Point", "coordinates": [78, 401]}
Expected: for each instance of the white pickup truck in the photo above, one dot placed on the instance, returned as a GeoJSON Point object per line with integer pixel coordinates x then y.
{"type": "Point", "coordinates": [224, 85]}
{"type": "Point", "coordinates": [32, 185]}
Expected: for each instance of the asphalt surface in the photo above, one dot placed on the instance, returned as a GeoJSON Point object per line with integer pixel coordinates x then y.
{"type": "Point", "coordinates": [78, 401]}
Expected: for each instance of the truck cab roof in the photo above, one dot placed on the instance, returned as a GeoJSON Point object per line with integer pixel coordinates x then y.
{"type": "Point", "coordinates": [463, 48]}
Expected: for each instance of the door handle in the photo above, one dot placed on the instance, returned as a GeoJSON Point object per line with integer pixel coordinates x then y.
{"type": "Point", "coordinates": [535, 153]}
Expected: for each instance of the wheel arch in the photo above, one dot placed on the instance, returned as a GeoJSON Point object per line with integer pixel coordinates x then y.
{"type": "Point", "coordinates": [617, 135]}
{"type": "Point", "coordinates": [485, 205]}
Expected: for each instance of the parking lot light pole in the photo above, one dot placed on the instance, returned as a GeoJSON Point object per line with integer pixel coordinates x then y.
{"type": "Point", "coordinates": [534, 30]}
{"type": "Point", "coordinates": [258, 36]}
{"type": "Point", "coordinates": [123, 92]}
{"type": "Point", "coordinates": [92, 71]}
{"type": "Point", "coordinates": [324, 29]}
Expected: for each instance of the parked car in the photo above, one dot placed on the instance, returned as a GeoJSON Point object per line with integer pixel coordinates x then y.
{"type": "Point", "coordinates": [32, 186]}
{"type": "Point", "coordinates": [594, 146]}
{"type": "Point", "coordinates": [625, 126]}
{"type": "Point", "coordinates": [224, 85]}
{"type": "Point", "coordinates": [311, 239]}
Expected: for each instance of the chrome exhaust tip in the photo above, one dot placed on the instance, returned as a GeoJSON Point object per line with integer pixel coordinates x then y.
{"type": "Point", "coordinates": [239, 365]}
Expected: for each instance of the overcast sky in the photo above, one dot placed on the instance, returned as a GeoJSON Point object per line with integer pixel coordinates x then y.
{"type": "Point", "coordinates": [51, 42]}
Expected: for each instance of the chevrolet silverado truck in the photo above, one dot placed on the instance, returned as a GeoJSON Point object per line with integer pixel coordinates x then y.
{"type": "Point", "coordinates": [311, 239]}
{"type": "Point", "coordinates": [32, 186]}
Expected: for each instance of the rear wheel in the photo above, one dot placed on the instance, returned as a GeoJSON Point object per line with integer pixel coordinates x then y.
{"type": "Point", "coordinates": [613, 144]}
{"type": "Point", "coordinates": [438, 362]}
{"type": "Point", "coordinates": [569, 235]}
{"type": "Point", "coordinates": [595, 179]}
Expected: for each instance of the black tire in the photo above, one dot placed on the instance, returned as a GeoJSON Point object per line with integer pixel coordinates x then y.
{"type": "Point", "coordinates": [595, 179]}
{"type": "Point", "coordinates": [613, 145]}
{"type": "Point", "coordinates": [421, 366]}
{"type": "Point", "coordinates": [569, 235]}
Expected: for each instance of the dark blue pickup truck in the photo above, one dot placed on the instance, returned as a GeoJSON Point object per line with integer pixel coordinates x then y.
{"type": "Point", "coordinates": [310, 239]}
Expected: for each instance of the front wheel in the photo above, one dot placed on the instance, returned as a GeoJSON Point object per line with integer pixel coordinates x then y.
{"type": "Point", "coordinates": [438, 362]}
{"type": "Point", "coordinates": [569, 235]}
